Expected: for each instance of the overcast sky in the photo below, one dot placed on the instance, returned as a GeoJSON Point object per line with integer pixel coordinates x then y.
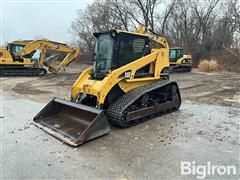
{"type": "Point", "coordinates": [30, 19]}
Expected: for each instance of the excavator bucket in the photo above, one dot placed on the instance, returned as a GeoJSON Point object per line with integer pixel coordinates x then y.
{"type": "Point", "coordinates": [70, 122]}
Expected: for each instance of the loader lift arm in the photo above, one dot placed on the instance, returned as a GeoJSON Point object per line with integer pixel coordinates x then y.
{"type": "Point", "coordinates": [43, 45]}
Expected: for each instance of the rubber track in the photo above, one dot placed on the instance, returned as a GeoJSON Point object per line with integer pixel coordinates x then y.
{"type": "Point", "coordinates": [180, 69]}
{"type": "Point", "coordinates": [21, 71]}
{"type": "Point", "coordinates": [115, 111]}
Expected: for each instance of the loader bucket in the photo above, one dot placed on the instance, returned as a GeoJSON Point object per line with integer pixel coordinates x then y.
{"type": "Point", "coordinates": [70, 122]}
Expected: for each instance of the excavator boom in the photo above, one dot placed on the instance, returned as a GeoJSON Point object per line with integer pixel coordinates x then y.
{"type": "Point", "coordinates": [44, 45]}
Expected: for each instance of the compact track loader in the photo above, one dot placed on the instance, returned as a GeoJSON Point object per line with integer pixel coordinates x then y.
{"type": "Point", "coordinates": [180, 62]}
{"type": "Point", "coordinates": [127, 84]}
{"type": "Point", "coordinates": [16, 58]}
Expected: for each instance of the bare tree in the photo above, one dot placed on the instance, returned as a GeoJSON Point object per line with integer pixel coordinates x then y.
{"type": "Point", "coordinates": [234, 13]}
{"type": "Point", "coordinates": [96, 17]}
{"type": "Point", "coordinates": [137, 12]}
{"type": "Point", "coordinates": [119, 12]}
{"type": "Point", "coordinates": [166, 15]}
{"type": "Point", "coordinates": [182, 27]}
{"type": "Point", "coordinates": [205, 16]}
{"type": "Point", "coordinates": [204, 29]}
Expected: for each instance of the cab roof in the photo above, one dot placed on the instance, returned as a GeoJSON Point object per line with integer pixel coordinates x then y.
{"type": "Point", "coordinates": [118, 31]}
{"type": "Point", "coordinates": [21, 42]}
{"type": "Point", "coordinates": [178, 48]}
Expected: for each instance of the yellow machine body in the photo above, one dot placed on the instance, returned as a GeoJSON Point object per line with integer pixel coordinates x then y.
{"type": "Point", "coordinates": [158, 60]}
{"type": "Point", "coordinates": [45, 45]}
{"type": "Point", "coordinates": [129, 80]}
{"type": "Point", "coordinates": [6, 58]}
{"type": "Point", "coordinates": [19, 53]}
{"type": "Point", "coordinates": [179, 62]}
{"type": "Point", "coordinates": [186, 60]}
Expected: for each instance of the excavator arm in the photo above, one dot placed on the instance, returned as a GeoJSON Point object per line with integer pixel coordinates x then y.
{"type": "Point", "coordinates": [44, 45]}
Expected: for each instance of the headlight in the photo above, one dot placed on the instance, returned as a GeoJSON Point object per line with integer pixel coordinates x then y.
{"type": "Point", "coordinates": [186, 61]}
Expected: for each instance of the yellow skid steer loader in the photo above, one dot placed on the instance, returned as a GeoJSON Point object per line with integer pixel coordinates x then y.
{"type": "Point", "coordinates": [128, 84]}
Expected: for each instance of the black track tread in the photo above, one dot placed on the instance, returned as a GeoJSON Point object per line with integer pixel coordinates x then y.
{"type": "Point", "coordinates": [115, 111]}
{"type": "Point", "coordinates": [180, 69]}
{"type": "Point", "coordinates": [21, 71]}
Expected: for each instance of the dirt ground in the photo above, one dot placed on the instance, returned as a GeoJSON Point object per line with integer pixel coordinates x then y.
{"type": "Point", "coordinates": [206, 128]}
{"type": "Point", "coordinates": [197, 87]}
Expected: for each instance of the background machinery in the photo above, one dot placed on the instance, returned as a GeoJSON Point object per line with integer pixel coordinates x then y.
{"type": "Point", "coordinates": [16, 58]}
{"type": "Point", "coordinates": [179, 62]}
{"type": "Point", "coordinates": [127, 84]}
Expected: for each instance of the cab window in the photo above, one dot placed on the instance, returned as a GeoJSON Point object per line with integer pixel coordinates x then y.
{"type": "Point", "coordinates": [173, 55]}
{"type": "Point", "coordinates": [130, 48]}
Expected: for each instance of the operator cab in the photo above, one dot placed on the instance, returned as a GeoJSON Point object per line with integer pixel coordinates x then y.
{"type": "Point", "coordinates": [175, 54]}
{"type": "Point", "coordinates": [15, 51]}
{"type": "Point", "coordinates": [115, 49]}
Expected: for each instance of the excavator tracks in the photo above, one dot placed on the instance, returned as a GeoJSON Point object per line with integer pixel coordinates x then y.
{"type": "Point", "coordinates": [144, 102]}
{"type": "Point", "coordinates": [180, 69]}
{"type": "Point", "coordinates": [21, 71]}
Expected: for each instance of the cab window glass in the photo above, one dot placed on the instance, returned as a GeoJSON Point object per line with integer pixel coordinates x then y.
{"type": "Point", "coordinates": [130, 48]}
{"type": "Point", "coordinates": [173, 55]}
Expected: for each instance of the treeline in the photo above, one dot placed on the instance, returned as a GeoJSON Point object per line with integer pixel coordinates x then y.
{"type": "Point", "coordinates": [205, 28]}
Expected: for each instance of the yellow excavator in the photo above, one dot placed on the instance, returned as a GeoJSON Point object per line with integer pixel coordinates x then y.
{"type": "Point", "coordinates": [179, 62]}
{"type": "Point", "coordinates": [16, 57]}
{"type": "Point", "coordinates": [127, 84]}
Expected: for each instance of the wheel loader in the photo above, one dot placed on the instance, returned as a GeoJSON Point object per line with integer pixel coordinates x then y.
{"type": "Point", "coordinates": [16, 57]}
{"type": "Point", "coordinates": [127, 84]}
{"type": "Point", "coordinates": [179, 62]}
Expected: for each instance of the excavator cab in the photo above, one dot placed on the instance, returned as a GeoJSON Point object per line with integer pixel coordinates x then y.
{"type": "Point", "coordinates": [15, 50]}
{"type": "Point", "coordinates": [175, 54]}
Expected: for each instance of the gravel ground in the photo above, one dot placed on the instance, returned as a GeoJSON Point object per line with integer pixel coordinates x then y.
{"type": "Point", "coordinates": [205, 129]}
